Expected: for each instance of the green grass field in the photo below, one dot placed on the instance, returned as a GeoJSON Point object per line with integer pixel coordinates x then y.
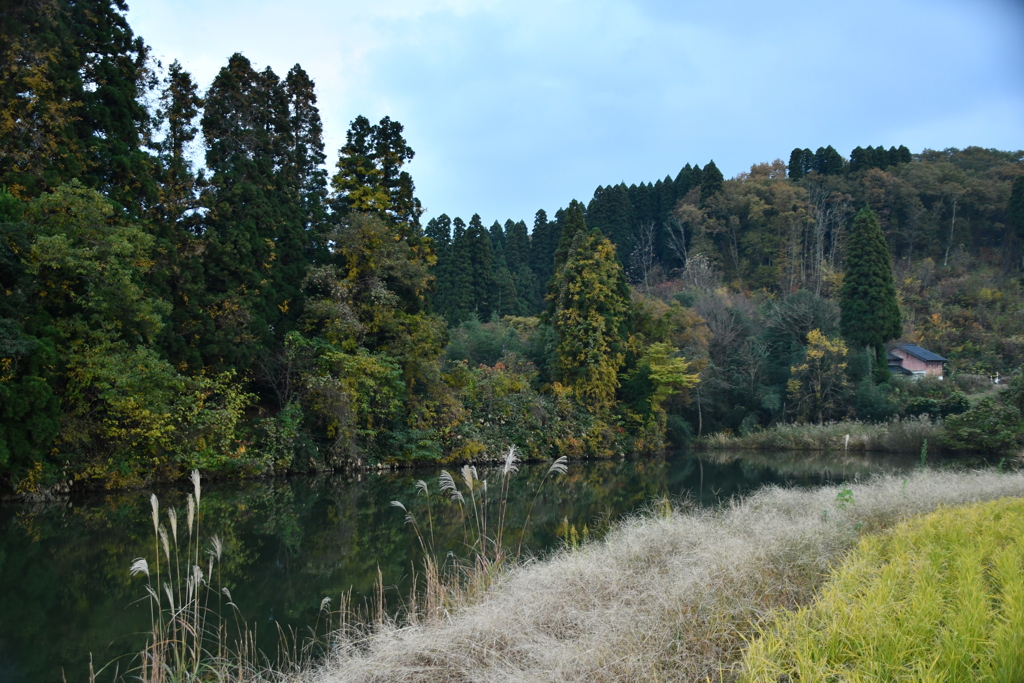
{"type": "Point", "coordinates": [937, 598]}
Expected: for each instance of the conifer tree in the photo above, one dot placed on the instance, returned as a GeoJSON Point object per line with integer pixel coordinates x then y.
{"type": "Point", "coordinates": [711, 182]}
{"type": "Point", "coordinates": [541, 247]}
{"type": "Point", "coordinates": [459, 299]}
{"type": "Point", "coordinates": [72, 79]}
{"type": "Point", "coordinates": [796, 164]}
{"type": "Point", "coordinates": [572, 221]}
{"type": "Point", "coordinates": [869, 313]}
{"type": "Point", "coordinates": [590, 303]}
{"type": "Point", "coordinates": [306, 155]}
{"type": "Point", "coordinates": [177, 275]}
{"type": "Point", "coordinates": [255, 256]}
{"type": "Point", "coordinates": [683, 182]}
{"type": "Point", "coordinates": [481, 258]}
{"type": "Point", "coordinates": [370, 176]}
{"type": "Point", "coordinates": [696, 176]}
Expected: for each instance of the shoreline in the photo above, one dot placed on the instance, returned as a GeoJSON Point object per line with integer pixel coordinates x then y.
{"type": "Point", "coordinates": [667, 594]}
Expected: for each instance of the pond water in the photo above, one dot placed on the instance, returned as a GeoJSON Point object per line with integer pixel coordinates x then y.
{"type": "Point", "coordinates": [66, 592]}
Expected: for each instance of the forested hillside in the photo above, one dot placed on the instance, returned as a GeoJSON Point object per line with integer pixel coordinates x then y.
{"type": "Point", "coordinates": [273, 310]}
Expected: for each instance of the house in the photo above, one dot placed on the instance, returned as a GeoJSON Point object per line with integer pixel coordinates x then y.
{"type": "Point", "coordinates": [910, 359]}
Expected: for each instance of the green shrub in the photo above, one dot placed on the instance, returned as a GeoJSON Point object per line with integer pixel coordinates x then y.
{"type": "Point", "coordinates": [991, 426]}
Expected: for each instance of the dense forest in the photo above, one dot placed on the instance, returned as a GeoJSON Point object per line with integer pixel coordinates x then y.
{"type": "Point", "coordinates": [263, 312]}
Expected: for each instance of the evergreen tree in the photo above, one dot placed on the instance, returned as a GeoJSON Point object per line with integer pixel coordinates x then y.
{"type": "Point", "coordinates": [858, 160]}
{"type": "Point", "coordinates": [481, 258]}
{"type": "Point", "coordinates": [696, 176]}
{"type": "Point", "coordinates": [827, 161]}
{"type": "Point", "coordinates": [590, 300]}
{"type": "Point", "coordinates": [683, 181]}
{"type": "Point", "coordinates": [177, 275]}
{"type": "Point", "coordinates": [178, 109]}
{"type": "Point", "coordinates": [72, 79]}
{"type": "Point", "coordinates": [439, 230]}
{"type": "Point", "coordinates": [712, 182]}
{"type": "Point", "coordinates": [869, 313]}
{"type": "Point", "coordinates": [370, 178]}
{"type": "Point", "coordinates": [255, 255]}
{"type": "Point", "coordinates": [517, 255]}
{"type": "Point", "coordinates": [796, 164]}
{"type": "Point", "coordinates": [904, 155]}
{"type": "Point", "coordinates": [306, 156]}
{"type": "Point", "coordinates": [572, 221]}
{"type": "Point", "coordinates": [542, 247]}
{"type": "Point", "coordinates": [112, 120]}
{"type": "Point", "coordinates": [460, 300]}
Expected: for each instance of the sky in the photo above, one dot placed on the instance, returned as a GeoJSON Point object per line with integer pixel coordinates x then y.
{"type": "Point", "coordinates": [517, 106]}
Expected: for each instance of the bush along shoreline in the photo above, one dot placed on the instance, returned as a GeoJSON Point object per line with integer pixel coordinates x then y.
{"type": "Point", "coordinates": [991, 424]}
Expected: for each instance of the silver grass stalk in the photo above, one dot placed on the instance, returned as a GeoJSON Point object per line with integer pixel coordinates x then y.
{"type": "Point", "coordinates": [191, 513]}
{"type": "Point", "coordinates": [170, 595]}
{"type": "Point", "coordinates": [422, 486]}
{"type": "Point", "coordinates": [447, 483]}
{"type": "Point", "coordinates": [217, 547]}
{"type": "Point", "coordinates": [560, 466]}
{"type": "Point", "coordinates": [172, 516]}
{"type": "Point", "coordinates": [226, 592]}
{"type": "Point", "coordinates": [409, 519]}
{"type": "Point", "coordinates": [154, 505]}
{"type": "Point", "coordinates": [139, 566]}
{"type": "Point", "coordinates": [195, 483]}
{"type": "Point", "coordinates": [511, 462]}
{"type": "Point", "coordinates": [467, 476]}
{"type": "Point", "coordinates": [325, 604]}
{"type": "Point", "coordinates": [162, 532]}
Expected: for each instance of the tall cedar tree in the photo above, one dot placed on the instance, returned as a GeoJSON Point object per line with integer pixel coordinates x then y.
{"type": "Point", "coordinates": [481, 259]}
{"type": "Point", "coordinates": [869, 313]}
{"type": "Point", "coordinates": [177, 275]}
{"type": "Point", "coordinates": [370, 178]}
{"type": "Point", "coordinates": [72, 76]}
{"type": "Point", "coordinates": [542, 247]}
{"type": "Point", "coordinates": [306, 159]}
{"type": "Point", "coordinates": [712, 182]}
{"type": "Point", "coordinates": [590, 305]}
{"type": "Point", "coordinates": [255, 257]}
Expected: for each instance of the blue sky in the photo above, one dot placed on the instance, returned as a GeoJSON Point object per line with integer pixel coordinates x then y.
{"type": "Point", "coordinates": [516, 106]}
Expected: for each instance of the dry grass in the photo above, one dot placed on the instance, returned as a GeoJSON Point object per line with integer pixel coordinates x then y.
{"type": "Point", "coordinates": [896, 436]}
{"type": "Point", "coordinates": [669, 596]}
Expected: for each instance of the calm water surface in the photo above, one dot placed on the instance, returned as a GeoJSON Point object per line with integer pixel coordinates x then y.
{"type": "Point", "coordinates": [65, 590]}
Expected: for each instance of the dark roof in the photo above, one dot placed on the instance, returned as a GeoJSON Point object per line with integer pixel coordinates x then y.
{"type": "Point", "coordinates": [892, 357]}
{"type": "Point", "coordinates": [899, 370]}
{"type": "Point", "coordinates": [919, 353]}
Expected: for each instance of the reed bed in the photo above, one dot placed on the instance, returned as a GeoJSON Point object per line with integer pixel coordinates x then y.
{"type": "Point", "coordinates": [672, 595]}
{"type": "Point", "coordinates": [906, 435]}
{"type": "Point", "coordinates": [937, 598]}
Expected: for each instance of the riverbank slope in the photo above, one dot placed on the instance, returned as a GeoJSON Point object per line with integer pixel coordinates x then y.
{"type": "Point", "coordinates": [667, 596]}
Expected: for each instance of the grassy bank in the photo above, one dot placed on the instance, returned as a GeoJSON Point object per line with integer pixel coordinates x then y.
{"type": "Point", "coordinates": [940, 597]}
{"type": "Point", "coordinates": [905, 435]}
{"type": "Point", "coordinates": [673, 595]}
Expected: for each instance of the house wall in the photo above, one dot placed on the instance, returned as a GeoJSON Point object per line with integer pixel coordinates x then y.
{"type": "Point", "coordinates": [914, 364]}
{"type": "Point", "coordinates": [931, 368]}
